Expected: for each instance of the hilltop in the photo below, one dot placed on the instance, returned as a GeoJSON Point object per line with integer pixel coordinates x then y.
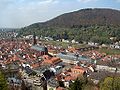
{"type": "Point", "coordinates": [85, 17]}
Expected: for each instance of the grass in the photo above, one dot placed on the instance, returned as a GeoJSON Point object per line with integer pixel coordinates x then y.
{"type": "Point", "coordinates": [109, 51]}
{"type": "Point", "coordinates": [65, 44]}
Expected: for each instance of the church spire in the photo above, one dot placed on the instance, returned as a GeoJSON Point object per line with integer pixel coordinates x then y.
{"type": "Point", "coordinates": [34, 39]}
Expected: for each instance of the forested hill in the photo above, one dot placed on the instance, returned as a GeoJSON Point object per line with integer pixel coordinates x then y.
{"type": "Point", "coordinates": [97, 25]}
{"type": "Point", "coordinates": [85, 17]}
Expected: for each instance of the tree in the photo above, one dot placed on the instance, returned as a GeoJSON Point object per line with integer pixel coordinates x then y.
{"type": "Point", "coordinates": [108, 84]}
{"type": "Point", "coordinates": [3, 82]}
{"type": "Point", "coordinates": [23, 86]}
{"type": "Point", "coordinates": [82, 83]}
{"type": "Point", "coordinates": [77, 85]}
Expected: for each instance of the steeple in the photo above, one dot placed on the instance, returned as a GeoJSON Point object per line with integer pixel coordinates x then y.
{"type": "Point", "coordinates": [34, 39]}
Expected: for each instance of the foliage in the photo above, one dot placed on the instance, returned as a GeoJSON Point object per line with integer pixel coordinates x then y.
{"type": "Point", "coordinates": [110, 84]}
{"type": "Point", "coordinates": [51, 89]}
{"type": "Point", "coordinates": [109, 51]}
{"type": "Point", "coordinates": [32, 73]}
{"type": "Point", "coordinates": [77, 85]}
{"type": "Point", "coordinates": [82, 84]}
{"type": "Point", "coordinates": [3, 82]}
{"type": "Point", "coordinates": [97, 34]}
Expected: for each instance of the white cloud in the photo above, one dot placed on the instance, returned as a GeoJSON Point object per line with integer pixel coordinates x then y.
{"type": "Point", "coordinates": [45, 1]}
{"type": "Point", "coordinates": [18, 13]}
{"type": "Point", "coordinates": [86, 1]}
{"type": "Point", "coordinates": [42, 1]}
{"type": "Point", "coordinates": [118, 0]}
{"type": "Point", "coordinates": [50, 1]}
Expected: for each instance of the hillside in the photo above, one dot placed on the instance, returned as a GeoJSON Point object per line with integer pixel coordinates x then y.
{"type": "Point", "coordinates": [86, 17]}
{"type": "Point", "coordinates": [83, 25]}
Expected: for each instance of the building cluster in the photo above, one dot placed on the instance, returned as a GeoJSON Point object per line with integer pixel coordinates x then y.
{"type": "Point", "coordinates": [7, 33]}
{"type": "Point", "coordinates": [45, 67]}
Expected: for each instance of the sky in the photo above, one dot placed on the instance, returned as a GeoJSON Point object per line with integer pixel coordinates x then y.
{"type": "Point", "coordinates": [21, 13]}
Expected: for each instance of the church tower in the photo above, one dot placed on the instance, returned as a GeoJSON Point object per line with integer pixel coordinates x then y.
{"type": "Point", "coordinates": [34, 39]}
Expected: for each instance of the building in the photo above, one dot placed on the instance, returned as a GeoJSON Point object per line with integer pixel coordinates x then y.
{"type": "Point", "coordinates": [72, 58]}
{"type": "Point", "coordinates": [51, 60]}
{"type": "Point", "coordinates": [69, 76]}
{"type": "Point", "coordinates": [42, 50]}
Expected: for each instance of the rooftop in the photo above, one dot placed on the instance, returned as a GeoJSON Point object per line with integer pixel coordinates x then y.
{"type": "Point", "coordinates": [39, 48]}
{"type": "Point", "coordinates": [72, 56]}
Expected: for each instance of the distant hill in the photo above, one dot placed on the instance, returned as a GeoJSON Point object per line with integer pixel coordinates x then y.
{"type": "Point", "coordinates": [8, 29]}
{"type": "Point", "coordinates": [85, 17]}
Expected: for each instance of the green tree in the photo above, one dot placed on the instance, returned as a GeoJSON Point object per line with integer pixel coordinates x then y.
{"type": "Point", "coordinates": [82, 83]}
{"type": "Point", "coordinates": [3, 82]}
{"type": "Point", "coordinates": [77, 85]}
{"type": "Point", "coordinates": [110, 84]}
